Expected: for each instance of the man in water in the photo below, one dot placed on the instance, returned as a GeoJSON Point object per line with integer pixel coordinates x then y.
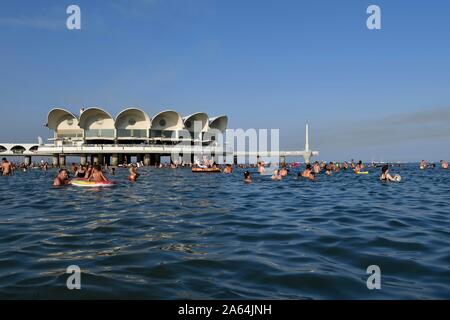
{"type": "Point", "coordinates": [62, 178]}
{"type": "Point", "coordinates": [6, 167]}
{"type": "Point", "coordinates": [228, 169]}
{"type": "Point", "coordinates": [307, 173]}
{"type": "Point", "coordinates": [444, 164]}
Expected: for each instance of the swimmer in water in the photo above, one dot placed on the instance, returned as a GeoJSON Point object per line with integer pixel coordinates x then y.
{"type": "Point", "coordinates": [62, 178]}
{"type": "Point", "coordinates": [97, 175]}
{"type": "Point", "coordinates": [133, 173]}
{"type": "Point", "coordinates": [284, 172]}
{"type": "Point", "coordinates": [247, 177]}
{"type": "Point", "coordinates": [276, 175]}
{"type": "Point", "coordinates": [422, 165]}
{"type": "Point", "coordinates": [261, 168]}
{"type": "Point", "coordinates": [385, 176]}
{"type": "Point", "coordinates": [359, 167]}
{"type": "Point", "coordinates": [444, 164]}
{"type": "Point", "coordinates": [328, 170]}
{"type": "Point", "coordinates": [6, 167]}
{"type": "Point", "coordinates": [81, 172]}
{"type": "Point", "coordinates": [308, 173]}
{"type": "Point", "coordinates": [228, 169]}
{"type": "Point", "coordinates": [316, 168]}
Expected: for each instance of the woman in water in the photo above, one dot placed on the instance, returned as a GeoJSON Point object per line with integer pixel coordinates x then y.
{"type": "Point", "coordinates": [284, 171]}
{"type": "Point", "coordinates": [97, 175]}
{"type": "Point", "coordinates": [444, 164]}
{"type": "Point", "coordinates": [81, 172]}
{"type": "Point", "coordinates": [385, 176]}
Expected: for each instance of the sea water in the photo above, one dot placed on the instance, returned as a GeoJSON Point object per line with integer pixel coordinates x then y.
{"type": "Point", "coordinates": [175, 234]}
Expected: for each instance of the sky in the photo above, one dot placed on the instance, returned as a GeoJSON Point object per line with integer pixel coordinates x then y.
{"type": "Point", "coordinates": [366, 94]}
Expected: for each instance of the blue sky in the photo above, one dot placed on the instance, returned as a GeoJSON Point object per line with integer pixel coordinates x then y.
{"type": "Point", "coordinates": [266, 64]}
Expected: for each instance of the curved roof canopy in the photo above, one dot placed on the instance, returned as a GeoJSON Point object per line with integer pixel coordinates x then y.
{"type": "Point", "coordinates": [133, 118]}
{"type": "Point", "coordinates": [220, 123]}
{"type": "Point", "coordinates": [96, 118]}
{"type": "Point", "coordinates": [199, 117]}
{"type": "Point", "coordinates": [60, 119]}
{"type": "Point", "coordinates": [167, 120]}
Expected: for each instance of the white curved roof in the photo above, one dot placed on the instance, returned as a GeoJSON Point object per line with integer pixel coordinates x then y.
{"type": "Point", "coordinates": [220, 123]}
{"type": "Point", "coordinates": [133, 118]}
{"type": "Point", "coordinates": [198, 116]}
{"type": "Point", "coordinates": [167, 120]}
{"type": "Point", "coordinates": [96, 118]}
{"type": "Point", "coordinates": [59, 118]}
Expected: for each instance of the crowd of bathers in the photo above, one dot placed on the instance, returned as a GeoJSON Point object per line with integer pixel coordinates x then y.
{"type": "Point", "coordinates": [95, 172]}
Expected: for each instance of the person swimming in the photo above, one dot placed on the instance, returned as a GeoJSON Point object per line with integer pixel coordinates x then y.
{"type": "Point", "coordinates": [133, 173]}
{"type": "Point", "coordinates": [316, 168]}
{"type": "Point", "coordinates": [444, 164]}
{"type": "Point", "coordinates": [422, 165]}
{"type": "Point", "coordinates": [359, 167]}
{"type": "Point", "coordinates": [247, 177]}
{"type": "Point", "coordinates": [228, 169]}
{"type": "Point", "coordinates": [284, 171]}
{"type": "Point", "coordinates": [308, 173]}
{"type": "Point", "coordinates": [97, 175]}
{"type": "Point", "coordinates": [276, 175]}
{"type": "Point", "coordinates": [62, 178]}
{"type": "Point", "coordinates": [81, 172]}
{"type": "Point", "coordinates": [385, 176]}
{"type": "Point", "coordinates": [261, 168]}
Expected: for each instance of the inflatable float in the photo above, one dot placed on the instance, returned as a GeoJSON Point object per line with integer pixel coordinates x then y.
{"type": "Point", "coordinates": [208, 170]}
{"type": "Point", "coordinates": [397, 178]}
{"type": "Point", "coordinates": [363, 172]}
{"type": "Point", "coordinates": [91, 184]}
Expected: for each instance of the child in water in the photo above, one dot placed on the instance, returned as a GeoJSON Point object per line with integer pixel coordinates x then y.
{"type": "Point", "coordinates": [97, 175]}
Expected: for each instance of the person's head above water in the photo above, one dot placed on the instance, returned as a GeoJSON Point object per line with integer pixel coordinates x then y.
{"type": "Point", "coordinates": [63, 174]}
{"type": "Point", "coordinates": [4, 160]}
{"type": "Point", "coordinates": [308, 166]}
{"type": "Point", "coordinates": [385, 168]}
{"type": "Point", "coordinates": [246, 175]}
{"type": "Point", "coordinates": [97, 167]}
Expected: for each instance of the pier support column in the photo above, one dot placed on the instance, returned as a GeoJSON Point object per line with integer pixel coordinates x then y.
{"type": "Point", "coordinates": [147, 159]}
{"type": "Point", "coordinates": [115, 160]}
{"type": "Point", "coordinates": [307, 157]}
{"type": "Point", "coordinates": [94, 159]}
{"type": "Point", "coordinates": [62, 160]}
{"type": "Point", "coordinates": [83, 160]}
{"type": "Point", "coordinates": [235, 160]}
{"type": "Point", "coordinates": [101, 159]}
{"type": "Point", "coordinates": [139, 158]}
{"type": "Point", "coordinates": [157, 158]}
{"type": "Point", "coordinates": [55, 160]}
{"type": "Point", "coordinates": [27, 160]}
